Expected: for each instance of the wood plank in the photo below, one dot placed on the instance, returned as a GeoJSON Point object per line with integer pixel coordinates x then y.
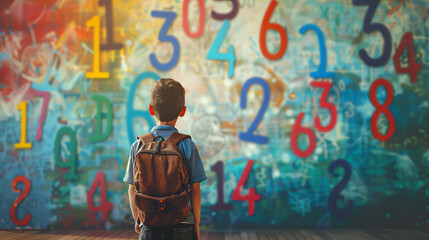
{"type": "Point", "coordinates": [422, 232]}
{"type": "Point", "coordinates": [21, 234]}
{"type": "Point", "coordinates": [267, 234]}
{"type": "Point", "coordinates": [42, 235]}
{"type": "Point", "coordinates": [309, 234]}
{"type": "Point", "coordinates": [116, 235]}
{"type": "Point", "coordinates": [102, 234]}
{"type": "Point", "coordinates": [261, 235]}
{"type": "Point", "coordinates": [244, 235]}
{"type": "Point", "coordinates": [381, 234]}
{"type": "Point", "coordinates": [418, 235]}
{"type": "Point", "coordinates": [7, 234]}
{"type": "Point", "coordinates": [129, 235]}
{"type": "Point", "coordinates": [340, 234]}
{"type": "Point", "coordinates": [403, 234]}
{"type": "Point", "coordinates": [232, 235]}
{"type": "Point", "coordinates": [90, 234]}
{"type": "Point", "coordinates": [64, 236]}
{"type": "Point", "coordinates": [353, 235]}
{"type": "Point", "coordinates": [252, 235]}
{"type": "Point", "coordinates": [78, 234]}
{"type": "Point", "coordinates": [216, 235]}
{"type": "Point", "coordinates": [390, 234]}
{"type": "Point", "coordinates": [322, 234]}
{"type": "Point", "coordinates": [204, 235]}
{"type": "Point", "coordinates": [94, 233]}
{"type": "Point", "coordinates": [272, 235]}
{"type": "Point", "coordinates": [366, 235]}
{"type": "Point", "coordinates": [333, 235]}
{"type": "Point", "coordinates": [280, 235]}
{"type": "Point", "coordinates": [288, 234]}
{"type": "Point", "coordinates": [298, 235]}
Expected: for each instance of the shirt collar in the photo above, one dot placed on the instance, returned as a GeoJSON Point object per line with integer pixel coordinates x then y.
{"type": "Point", "coordinates": [164, 128]}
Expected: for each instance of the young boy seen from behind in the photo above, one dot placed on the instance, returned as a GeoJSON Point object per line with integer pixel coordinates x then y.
{"type": "Point", "coordinates": [153, 168]}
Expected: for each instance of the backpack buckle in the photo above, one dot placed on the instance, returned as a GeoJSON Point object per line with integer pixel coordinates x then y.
{"type": "Point", "coordinates": [158, 142]}
{"type": "Point", "coordinates": [187, 187]}
{"type": "Point", "coordinates": [161, 205]}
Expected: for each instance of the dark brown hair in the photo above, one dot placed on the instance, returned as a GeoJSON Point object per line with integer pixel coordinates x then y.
{"type": "Point", "coordinates": [167, 99]}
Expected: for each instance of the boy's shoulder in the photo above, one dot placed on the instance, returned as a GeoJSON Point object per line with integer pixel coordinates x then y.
{"type": "Point", "coordinates": [187, 143]}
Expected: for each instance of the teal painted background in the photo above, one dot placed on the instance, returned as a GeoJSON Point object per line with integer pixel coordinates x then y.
{"type": "Point", "coordinates": [47, 49]}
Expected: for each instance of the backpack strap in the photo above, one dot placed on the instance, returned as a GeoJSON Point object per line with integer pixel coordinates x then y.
{"type": "Point", "coordinates": [147, 138]}
{"type": "Point", "coordinates": [177, 137]}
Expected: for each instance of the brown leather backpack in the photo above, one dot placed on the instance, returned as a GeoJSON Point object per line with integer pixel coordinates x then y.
{"type": "Point", "coordinates": [162, 180]}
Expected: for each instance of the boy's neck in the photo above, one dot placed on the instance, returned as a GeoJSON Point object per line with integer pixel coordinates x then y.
{"type": "Point", "coordinates": [170, 123]}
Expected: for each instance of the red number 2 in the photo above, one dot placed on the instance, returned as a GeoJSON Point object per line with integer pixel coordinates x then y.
{"type": "Point", "coordinates": [27, 187]}
{"type": "Point", "coordinates": [251, 197]}
{"type": "Point", "coordinates": [413, 68]}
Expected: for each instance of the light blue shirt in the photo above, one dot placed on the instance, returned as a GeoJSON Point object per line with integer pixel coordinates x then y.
{"type": "Point", "coordinates": [189, 151]}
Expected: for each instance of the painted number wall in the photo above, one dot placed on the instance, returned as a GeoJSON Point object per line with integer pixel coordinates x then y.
{"type": "Point", "coordinates": [305, 113]}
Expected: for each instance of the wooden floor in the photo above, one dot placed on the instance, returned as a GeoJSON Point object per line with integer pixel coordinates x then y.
{"type": "Point", "coordinates": [315, 234]}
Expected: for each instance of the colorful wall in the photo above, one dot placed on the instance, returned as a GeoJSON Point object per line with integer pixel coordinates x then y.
{"type": "Point", "coordinates": [306, 113]}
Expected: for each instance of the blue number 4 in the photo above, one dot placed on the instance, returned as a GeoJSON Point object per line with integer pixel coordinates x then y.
{"type": "Point", "coordinates": [213, 51]}
{"type": "Point", "coordinates": [163, 37]}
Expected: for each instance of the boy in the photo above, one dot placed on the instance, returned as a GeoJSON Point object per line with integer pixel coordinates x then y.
{"type": "Point", "coordinates": [167, 103]}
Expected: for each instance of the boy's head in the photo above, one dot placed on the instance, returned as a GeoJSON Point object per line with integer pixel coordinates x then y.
{"type": "Point", "coordinates": [167, 100]}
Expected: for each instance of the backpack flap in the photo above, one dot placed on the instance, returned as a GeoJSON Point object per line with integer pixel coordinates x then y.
{"type": "Point", "coordinates": [163, 211]}
{"type": "Point", "coordinates": [150, 204]}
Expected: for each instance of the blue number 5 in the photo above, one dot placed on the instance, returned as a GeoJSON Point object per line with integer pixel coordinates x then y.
{"type": "Point", "coordinates": [249, 136]}
{"type": "Point", "coordinates": [368, 28]}
{"type": "Point", "coordinates": [213, 51]}
{"type": "Point", "coordinates": [163, 37]}
{"type": "Point", "coordinates": [321, 71]}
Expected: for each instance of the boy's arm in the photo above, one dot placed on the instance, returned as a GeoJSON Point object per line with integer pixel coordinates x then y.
{"type": "Point", "coordinates": [196, 202]}
{"type": "Point", "coordinates": [128, 178]}
{"type": "Point", "coordinates": [131, 195]}
{"type": "Point", "coordinates": [196, 206]}
{"type": "Point", "coordinates": [197, 175]}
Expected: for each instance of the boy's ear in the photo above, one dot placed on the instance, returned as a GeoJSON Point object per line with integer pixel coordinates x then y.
{"type": "Point", "coordinates": [182, 113]}
{"type": "Point", "coordinates": [152, 113]}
